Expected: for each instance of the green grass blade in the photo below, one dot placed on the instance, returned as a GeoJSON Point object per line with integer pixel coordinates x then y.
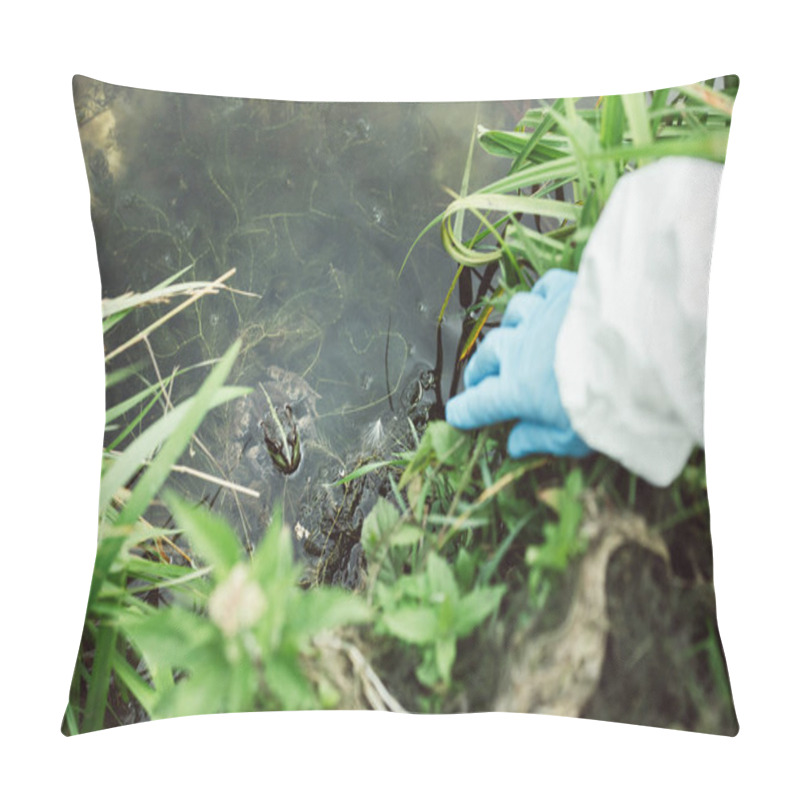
{"type": "Point", "coordinates": [548, 123]}
{"type": "Point", "coordinates": [635, 106]}
{"type": "Point", "coordinates": [179, 438]}
{"type": "Point", "coordinates": [125, 467]}
{"type": "Point", "coordinates": [612, 121]}
{"type": "Point", "coordinates": [133, 423]}
{"type": "Point", "coordinates": [709, 97]}
{"type": "Point", "coordinates": [97, 697]}
{"type": "Point", "coordinates": [516, 204]}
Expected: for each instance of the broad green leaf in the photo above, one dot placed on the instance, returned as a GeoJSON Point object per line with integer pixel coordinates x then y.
{"type": "Point", "coordinates": [406, 536]}
{"type": "Point", "coordinates": [414, 625]}
{"type": "Point", "coordinates": [379, 524]}
{"type": "Point", "coordinates": [448, 443]}
{"type": "Point", "coordinates": [209, 534]}
{"type": "Point", "coordinates": [440, 577]}
{"type": "Point", "coordinates": [204, 691]}
{"type": "Point", "coordinates": [475, 607]}
{"type": "Point", "coordinates": [169, 637]}
{"type": "Point", "coordinates": [328, 608]}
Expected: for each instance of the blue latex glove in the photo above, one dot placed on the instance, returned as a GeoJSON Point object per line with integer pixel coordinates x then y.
{"type": "Point", "coordinates": [512, 377]}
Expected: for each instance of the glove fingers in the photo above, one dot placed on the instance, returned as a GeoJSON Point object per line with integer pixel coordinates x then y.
{"type": "Point", "coordinates": [486, 361]}
{"type": "Point", "coordinates": [529, 437]}
{"type": "Point", "coordinates": [484, 404]}
{"type": "Point", "coordinates": [521, 306]}
{"type": "Point", "coordinates": [554, 281]}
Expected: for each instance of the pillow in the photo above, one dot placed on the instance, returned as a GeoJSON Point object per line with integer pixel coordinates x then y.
{"type": "Point", "coordinates": [286, 521]}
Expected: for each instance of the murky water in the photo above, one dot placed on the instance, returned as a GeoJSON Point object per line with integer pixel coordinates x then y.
{"type": "Point", "coordinates": [314, 205]}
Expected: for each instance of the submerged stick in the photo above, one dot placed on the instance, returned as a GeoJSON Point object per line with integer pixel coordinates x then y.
{"type": "Point", "coordinates": [386, 363]}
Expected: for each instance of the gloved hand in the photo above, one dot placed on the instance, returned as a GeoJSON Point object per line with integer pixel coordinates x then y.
{"type": "Point", "coordinates": [512, 377]}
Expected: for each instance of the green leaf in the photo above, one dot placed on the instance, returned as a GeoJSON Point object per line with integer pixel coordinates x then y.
{"type": "Point", "coordinates": [378, 525]}
{"type": "Point", "coordinates": [210, 535]}
{"type": "Point", "coordinates": [273, 561]}
{"type": "Point", "coordinates": [421, 458]}
{"type": "Point", "coordinates": [328, 608]}
{"type": "Point", "coordinates": [475, 607]}
{"type": "Point", "coordinates": [466, 564]}
{"type": "Point", "coordinates": [205, 690]}
{"type": "Point", "coordinates": [166, 639]}
{"type": "Point", "coordinates": [445, 657]}
{"type": "Point", "coordinates": [440, 577]}
{"type": "Point", "coordinates": [406, 536]}
{"type": "Point", "coordinates": [448, 443]}
{"type": "Point", "coordinates": [414, 625]}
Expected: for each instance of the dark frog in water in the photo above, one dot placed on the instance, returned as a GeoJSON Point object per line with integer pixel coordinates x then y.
{"type": "Point", "coordinates": [277, 451]}
{"type": "Point", "coordinates": [281, 436]}
{"type": "Point", "coordinates": [270, 432]}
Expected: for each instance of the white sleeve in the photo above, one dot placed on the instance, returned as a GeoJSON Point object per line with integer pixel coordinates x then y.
{"type": "Point", "coordinates": [630, 356]}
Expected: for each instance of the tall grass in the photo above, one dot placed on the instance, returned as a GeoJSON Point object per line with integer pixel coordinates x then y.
{"type": "Point", "coordinates": [134, 558]}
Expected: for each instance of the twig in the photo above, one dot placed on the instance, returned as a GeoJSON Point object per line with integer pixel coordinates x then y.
{"type": "Point", "coordinates": [209, 289]}
{"type": "Point", "coordinates": [234, 487]}
{"type": "Point", "coordinates": [378, 695]}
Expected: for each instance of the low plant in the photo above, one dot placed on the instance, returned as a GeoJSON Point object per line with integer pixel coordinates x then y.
{"type": "Point", "coordinates": [178, 619]}
{"type": "Point", "coordinates": [238, 646]}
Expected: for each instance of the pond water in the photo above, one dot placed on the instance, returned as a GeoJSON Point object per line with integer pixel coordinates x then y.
{"type": "Point", "coordinates": [315, 205]}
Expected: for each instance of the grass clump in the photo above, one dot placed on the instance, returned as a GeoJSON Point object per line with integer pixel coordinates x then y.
{"type": "Point", "coordinates": [177, 621]}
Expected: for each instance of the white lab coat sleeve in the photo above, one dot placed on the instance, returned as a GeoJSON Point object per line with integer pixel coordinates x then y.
{"type": "Point", "coordinates": [630, 356]}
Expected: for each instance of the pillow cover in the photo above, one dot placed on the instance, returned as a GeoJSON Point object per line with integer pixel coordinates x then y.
{"type": "Point", "coordinates": [286, 521]}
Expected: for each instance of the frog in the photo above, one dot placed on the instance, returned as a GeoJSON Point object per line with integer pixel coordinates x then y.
{"type": "Point", "coordinates": [281, 437]}
{"type": "Point", "coordinates": [279, 452]}
{"type": "Point", "coordinates": [286, 409]}
{"type": "Point", "coordinates": [270, 433]}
